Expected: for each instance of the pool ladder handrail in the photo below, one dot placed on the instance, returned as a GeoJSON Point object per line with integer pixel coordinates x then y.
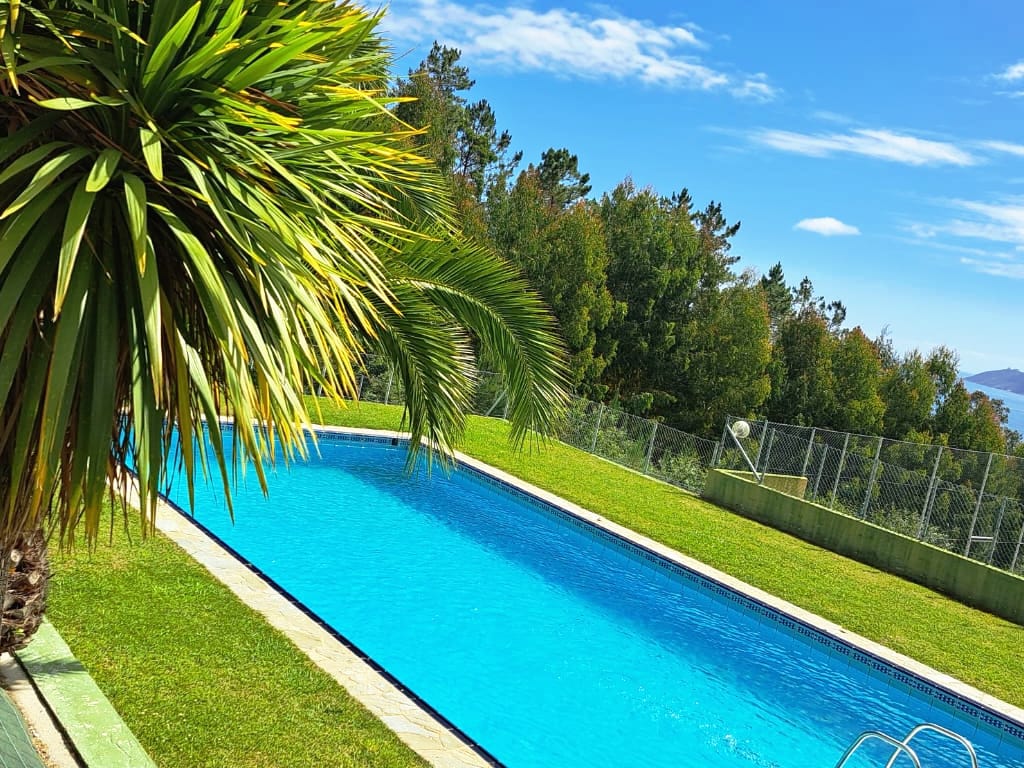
{"type": "Point", "coordinates": [904, 746]}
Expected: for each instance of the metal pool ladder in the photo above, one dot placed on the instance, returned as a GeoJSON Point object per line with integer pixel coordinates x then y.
{"type": "Point", "coordinates": [903, 747]}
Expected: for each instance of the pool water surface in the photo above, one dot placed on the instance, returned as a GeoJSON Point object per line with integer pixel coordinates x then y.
{"type": "Point", "coordinates": [553, 646]}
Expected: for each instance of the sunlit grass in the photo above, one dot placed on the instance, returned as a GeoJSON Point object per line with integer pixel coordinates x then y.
{"type": "Point", "coordinates": [204, 681]}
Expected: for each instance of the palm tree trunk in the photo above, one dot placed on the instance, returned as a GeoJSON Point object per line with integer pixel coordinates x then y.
{"type": "Point", "coordinates": [24, 579]}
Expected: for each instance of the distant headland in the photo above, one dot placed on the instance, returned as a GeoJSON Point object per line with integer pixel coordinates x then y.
{"type": "Point", "coordinates": [1009, 379]}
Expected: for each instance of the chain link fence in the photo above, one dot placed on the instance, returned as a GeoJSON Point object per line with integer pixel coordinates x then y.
{"type": "Point", "coordinates": [623, 438]}
{"type": "Point", "coordinates": [963, 501]}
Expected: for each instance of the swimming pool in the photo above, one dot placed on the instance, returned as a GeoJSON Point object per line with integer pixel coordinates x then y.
{"type": "Point", "coordinates": [554, 644]}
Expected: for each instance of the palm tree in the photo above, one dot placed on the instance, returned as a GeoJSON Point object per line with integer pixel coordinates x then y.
{"type": "Point", "coordinates": [206, 208]}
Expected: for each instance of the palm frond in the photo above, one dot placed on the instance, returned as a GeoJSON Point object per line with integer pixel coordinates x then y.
{"type": "Point", "coordinates": [205, 209]}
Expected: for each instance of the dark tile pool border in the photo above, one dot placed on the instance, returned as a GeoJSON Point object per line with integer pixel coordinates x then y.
{"type": "Point", "coordinates": [997, 724]}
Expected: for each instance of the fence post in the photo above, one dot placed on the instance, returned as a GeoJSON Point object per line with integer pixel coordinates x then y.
{"type": "Point", "coordinates": [597, 427]}
{"type": "Point", "coordinates": [839, 474]}
{"type": "Point", "coordinates": [871, 479]}
{"type": "Point", "coordinates": [1020, 540]}
{"type": "Point", "coordinates": [928, 497]}
{"type": "Point", "coordinates": [359, 387]}
{"type": "Point", "coordinates": [716, 454]}
{"type": "Point", "coordinates": [767, 456]}
{"type": "Point", "coordinates": [807, 456]}
{"type": "Point", "coordinates": [995, 533]}
{"type": "Point", "coordinates": [650, 449]}
{"type": "Point", "coordinates": [760, 445]}
{"type": "Point", "coordinates": [504, 413]}
{"type": "Point", "coordinates": [387, 391]}
{"type": "Point", "coordinates": [977, 507]}
{"type": "Point", "coordinates": [821, 468]}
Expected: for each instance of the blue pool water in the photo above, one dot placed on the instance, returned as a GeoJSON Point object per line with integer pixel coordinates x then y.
{"type": "Point", "coordinates": [551, 646]}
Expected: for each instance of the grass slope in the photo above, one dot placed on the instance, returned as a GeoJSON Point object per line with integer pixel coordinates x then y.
{"type": "Point", "coordinates": [200, 678]}
{"type": "Point", "coordinates": [204, 681]}
{"type": "Point", "coordinates": [974, 646]}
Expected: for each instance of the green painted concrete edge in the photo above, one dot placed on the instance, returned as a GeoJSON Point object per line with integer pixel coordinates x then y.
{"type": "Point", "coordinates": [968, 581]}
{"type": "Point", "coordinates": [16, 750]}
{"type": "Point", "coordinates": [86, 715]}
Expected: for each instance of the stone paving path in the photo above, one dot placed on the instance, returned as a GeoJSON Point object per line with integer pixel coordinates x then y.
{"type": "Point", "coordinates": [86, 715]}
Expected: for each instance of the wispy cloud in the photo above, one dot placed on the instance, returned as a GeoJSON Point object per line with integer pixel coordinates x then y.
{"type": "Point", "coordinates": [990, 235]}
{"type": "Point", "coordinates": [1012, 270]}
{"type": "Point", "coordinates": [1003, 146]}
{"type": "Point", "coordinates": [831, 117]}
{"type": "Point", "coordinates": [827, 226]}
{"type": "Point", "coordinates": [1001, 222]}
{"type": "Point", "coordinates": [879, 144]}
{"type": "Point", "coordinates": [755, 88]}
{"type": "Point", "coordinates": [573, 44]}
{"type": "Point", "coordinates": [1012, 73]}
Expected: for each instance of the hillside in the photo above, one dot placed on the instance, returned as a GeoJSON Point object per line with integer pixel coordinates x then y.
{"type": "Point", "coordinates": [1009, 379]}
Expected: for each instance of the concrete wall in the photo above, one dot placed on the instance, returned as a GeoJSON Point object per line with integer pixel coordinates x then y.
{"type": "Point", "coordinates": [966, 580]}
{"type": "Point", "coordinates": [792, 485]}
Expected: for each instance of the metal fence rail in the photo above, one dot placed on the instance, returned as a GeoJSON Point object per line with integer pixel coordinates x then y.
{"type": "Point", "coordinates": [963, 501]}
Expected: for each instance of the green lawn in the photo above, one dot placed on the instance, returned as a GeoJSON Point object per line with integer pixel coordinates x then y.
{"type": "Point", "coordinates": [203, 681]}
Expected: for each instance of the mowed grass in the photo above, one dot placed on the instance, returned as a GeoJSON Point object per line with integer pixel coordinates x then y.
{"type": "Point", "coordinates": [201, 679]}
{"type": "Point", "coordinates": [976, 647]}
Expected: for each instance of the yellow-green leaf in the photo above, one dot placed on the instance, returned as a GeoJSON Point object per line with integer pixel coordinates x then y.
{"type": "Point", "coordinates": [153, 151]}
{"type": "Point", "coordinates": [65, 103]}
{"type": "Point", "coordinates": [71, 240]}
{"type": "Point", "coordinates": [47, 173]}
{"type": "Point", "coordinates": [102, 170]}
{"type": "Point", "coordinates": [135, 198]}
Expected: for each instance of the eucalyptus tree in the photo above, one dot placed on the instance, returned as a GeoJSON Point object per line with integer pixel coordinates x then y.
{"type": "Point", "coordinates": [207, 208]}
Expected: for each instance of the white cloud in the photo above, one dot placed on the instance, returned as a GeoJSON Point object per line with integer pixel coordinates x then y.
{"type": "Point", "coordinates": [755, 88]}
{"type": "Point", "coordinates": [1003, 146]}
{"type": "Point", "coordinates": [1014, 270]}
{"type": "Point", "coordinates": [984, 231]}
{"type": "Point", "coordinates": [880, 144]}
{"type": "Point", "coordinates": [572, 44]}
{"type": "Point", "coordinates": [1012, 73]}
{"type": "Point", "coordinates": [831, 117]}
{"type": "Point", "coordinates": [827, 226]}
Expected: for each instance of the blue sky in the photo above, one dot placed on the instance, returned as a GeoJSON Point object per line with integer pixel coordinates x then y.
{"type": "Point", "coordinates": [877, 148]}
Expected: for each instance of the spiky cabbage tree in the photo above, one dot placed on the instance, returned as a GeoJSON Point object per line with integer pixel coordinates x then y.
{"type": "Point", "coordinates": [206, 208]}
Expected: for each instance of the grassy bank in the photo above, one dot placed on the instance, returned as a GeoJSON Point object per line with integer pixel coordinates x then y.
{"type": "Point", "coordinates": [974, 646]}
{"type": "Point", "coordinates": [203, 681]}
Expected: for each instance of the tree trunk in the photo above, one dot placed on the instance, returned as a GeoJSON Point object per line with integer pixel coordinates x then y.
{"type": "Point", "coordinates": [25, 577]}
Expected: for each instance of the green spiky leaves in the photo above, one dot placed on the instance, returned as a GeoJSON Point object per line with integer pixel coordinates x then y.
{"type": "Point", "coordinates": [204, 208]}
